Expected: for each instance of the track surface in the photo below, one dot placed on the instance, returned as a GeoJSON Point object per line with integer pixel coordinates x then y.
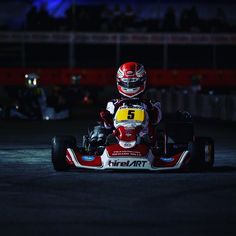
{"type": "Point", "coordinates": [36, 200]}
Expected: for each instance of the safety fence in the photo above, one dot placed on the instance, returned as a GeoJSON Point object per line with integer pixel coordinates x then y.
{"type": "Point", "coordinates": [81, 49]}
{"type": "Point", "coordinates": [106, 76]}
{"type": "Point", "coordinates": [210, 106]}
{"type": "Point", "coordinates": [121, 38]}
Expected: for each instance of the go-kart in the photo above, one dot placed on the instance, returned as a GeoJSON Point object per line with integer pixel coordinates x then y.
{"type": "Point", "coordinates": [175, 147]}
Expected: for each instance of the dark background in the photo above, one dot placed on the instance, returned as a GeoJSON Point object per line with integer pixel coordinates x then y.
{"type": "Point", "coordinates": [197, 17]}
{"type": "Point", "coordinates": [199, 77]}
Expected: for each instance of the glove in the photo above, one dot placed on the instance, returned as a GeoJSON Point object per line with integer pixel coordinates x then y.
{"type": "Point", "coordinates": [152, 111]}
{"type": "Point", "coordinates": [106, 117]}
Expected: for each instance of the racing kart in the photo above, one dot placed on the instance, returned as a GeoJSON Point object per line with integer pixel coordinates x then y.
{"type": "Point", "coordinates": [175, 147]}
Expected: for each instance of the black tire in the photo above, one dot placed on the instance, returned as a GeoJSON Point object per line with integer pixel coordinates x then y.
{"type": "Point", "coordinates": [59, 146]}
{"type": "Point", "coordinates": [209, 151]}
{"type": "Point", "coordinates": [196, 151]}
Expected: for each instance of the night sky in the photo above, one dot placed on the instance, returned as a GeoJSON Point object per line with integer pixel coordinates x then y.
{"type": "Point", "coordinates": [58, 7]}
{"type": "Point", "coordinates": [145, 8]}
{"type": "Point", "coordinates": [12, 12]}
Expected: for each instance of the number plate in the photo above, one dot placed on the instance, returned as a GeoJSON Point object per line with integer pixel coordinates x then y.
{"type": "Point", "coordinates": [130, 114]}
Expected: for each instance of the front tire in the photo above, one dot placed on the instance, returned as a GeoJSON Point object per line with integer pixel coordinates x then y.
{"type": "Point", "coordinates": [59, 146]}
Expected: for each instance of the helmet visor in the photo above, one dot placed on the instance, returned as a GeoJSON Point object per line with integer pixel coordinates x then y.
{"type": "Point", "coordinates": [131, 84]}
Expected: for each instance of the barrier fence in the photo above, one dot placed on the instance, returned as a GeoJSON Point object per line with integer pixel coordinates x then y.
{"type": "Point", "coordinates": [210, 106]}
{"type": "Point", "coordinates": [121, 38]}
{"type": "Point", "coordinates": [81, 49]}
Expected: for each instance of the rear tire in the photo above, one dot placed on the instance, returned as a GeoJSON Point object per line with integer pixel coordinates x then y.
{"type": "Point", "coordinates": [196, 151]}
{"type": "Point", "coordinates": [201, 153]}
{"type": "Point", "coordinates": [59, 146]}
{"type": "Point", "coordinates": [209, 151]}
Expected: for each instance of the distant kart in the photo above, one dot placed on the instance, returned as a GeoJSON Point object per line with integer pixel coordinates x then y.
{"type": "Point", "coordinates": [176, 147]}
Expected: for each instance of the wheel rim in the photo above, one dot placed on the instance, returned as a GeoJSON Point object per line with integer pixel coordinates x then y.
{"type": "Point", "coordinates": [208, 151]}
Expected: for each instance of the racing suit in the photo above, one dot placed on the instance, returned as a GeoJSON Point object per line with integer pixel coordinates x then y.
{"type": "Point", "coordinates": [153, 114]}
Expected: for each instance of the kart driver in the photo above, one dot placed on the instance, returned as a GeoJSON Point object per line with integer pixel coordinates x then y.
{"type": "Point", "coordinates": [131, 83]}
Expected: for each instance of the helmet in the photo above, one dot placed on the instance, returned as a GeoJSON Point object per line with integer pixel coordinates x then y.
{"type": "Point", "coordinates": [131, 79]}
{"type": "Point", "coordinates": [31, 80]}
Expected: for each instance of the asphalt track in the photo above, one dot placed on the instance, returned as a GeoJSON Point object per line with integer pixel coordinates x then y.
{"type": "Point", "coordinates": [36, 200]}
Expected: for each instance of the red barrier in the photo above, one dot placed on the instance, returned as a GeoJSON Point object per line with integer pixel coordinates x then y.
{"type": "Point", "coordinates": [106, 76]}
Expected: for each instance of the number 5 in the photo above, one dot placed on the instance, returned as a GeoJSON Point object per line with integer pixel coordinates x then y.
{"type": "Point", "coordinates": [130, 114]}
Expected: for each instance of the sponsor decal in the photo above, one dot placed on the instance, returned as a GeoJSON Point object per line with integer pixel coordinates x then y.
{"type": "Point", "coordinates": [127, 144]}
{"type": "Point", "coordinates": [88, 158]}
{"type": "Point", "coordinates": [116, 163]}
{"type": "Point", "coordinates": [167, 159]}
{"type": "Point", "coordinates": [126, 153]}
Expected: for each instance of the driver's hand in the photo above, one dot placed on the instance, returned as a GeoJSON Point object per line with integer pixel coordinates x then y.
{"type": "Point", "coordinates": [106, 117]}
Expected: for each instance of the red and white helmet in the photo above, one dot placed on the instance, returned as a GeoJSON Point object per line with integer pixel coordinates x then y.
{"type": "Point", "coordinates": [131, 79]}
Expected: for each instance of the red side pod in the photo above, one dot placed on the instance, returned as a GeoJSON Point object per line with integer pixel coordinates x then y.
{"type": "Point", "coordinates": [116, 150]}
{"type": "Point", "coordinates": [186, 162]}
{"type": "Point", "coordinates": [88, 160]}
{"type": "Point", "coordinates": [69, 158]}
{"type": "Point", "coordinates": [166, 161]}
